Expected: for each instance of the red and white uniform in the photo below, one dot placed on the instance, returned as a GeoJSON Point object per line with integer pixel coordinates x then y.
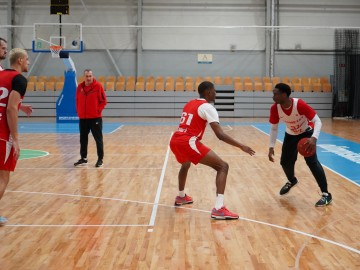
{"type": "Point", "coordinates": [185, 142]}
{"type": "Point", "coordinates": [297, 118]}
{"type": "Point", "coordinates": [10, 80]}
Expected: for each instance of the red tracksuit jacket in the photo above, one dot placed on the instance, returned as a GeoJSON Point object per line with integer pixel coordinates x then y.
{"type": "Point", "coordinates": [90, 100]}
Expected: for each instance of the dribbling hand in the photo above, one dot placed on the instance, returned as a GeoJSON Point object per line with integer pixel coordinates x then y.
{"type": "Point", "coordinates": [271, 154]}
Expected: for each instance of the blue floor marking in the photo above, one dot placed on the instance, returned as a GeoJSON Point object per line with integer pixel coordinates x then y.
{"type": "Point", "coordinates": [32, 127]}
{"type": "Point", "coordinates": [339, 155]}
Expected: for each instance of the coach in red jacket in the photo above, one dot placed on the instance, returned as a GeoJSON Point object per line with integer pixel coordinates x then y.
{"type": "Point", "coordinates": [90, 102]}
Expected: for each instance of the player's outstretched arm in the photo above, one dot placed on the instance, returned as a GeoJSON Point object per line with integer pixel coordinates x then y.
{"type": "Point", "coordinates": [221, 135]}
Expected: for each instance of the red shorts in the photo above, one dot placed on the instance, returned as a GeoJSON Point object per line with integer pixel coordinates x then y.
{"type": "Point", "coordinates": [7, 159]}
{"type": "Point", "coordinates": [187, 148]}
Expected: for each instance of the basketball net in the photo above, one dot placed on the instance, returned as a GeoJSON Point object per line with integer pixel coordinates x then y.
{"type": "Point", "coordinates": [55, 51]}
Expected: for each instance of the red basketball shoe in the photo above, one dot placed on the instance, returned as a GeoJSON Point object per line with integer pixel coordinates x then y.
{"type": "Point", "coordinates": [183, 200]}
{"type": "Point", "coordinates": [223, 213]}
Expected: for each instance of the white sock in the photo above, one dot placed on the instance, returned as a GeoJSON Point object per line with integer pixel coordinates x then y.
{"type": "Point", "coordinates": [182, 193]}
{"type": "Point", "coordinates": [219, 201]}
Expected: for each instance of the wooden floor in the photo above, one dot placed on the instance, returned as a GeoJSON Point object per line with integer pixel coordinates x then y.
{"type": "Point", "coordinates": [122, 216]}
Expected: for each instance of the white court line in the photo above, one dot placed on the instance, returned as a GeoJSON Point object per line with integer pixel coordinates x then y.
{"type": "Point", "coordinates": [87, 168]}
{"type": "Point", "coordinates": [303, 233]}
{"type": "Point", "coordinates": [264, 133]}
{"type": "Point", "coordinates": [351, 181]}
{"type": "Point", "coordinates": [108, 155]}
{"type": "Point", "coordinates": [299, 254]}
{"type": "Point", "coordinates": [77, 196]}
{"type": "Point", "coordinates": [158, 192]}
{"type": "Point", "coordinates": [120, 127]}
{"type": "Point", "coordinates": [77, 225]}
{"type": "Point", "coordinates": [157, 204]}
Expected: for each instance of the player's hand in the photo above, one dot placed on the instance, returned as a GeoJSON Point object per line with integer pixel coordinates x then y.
{"type": "Point", "coordinates": [310, 144]}
{"type": "Point", "coordinates": [15, 145]}
{"type": "Point", "coordinates": [271, 154]}
{"type": "Point", "coordinates": [248, 150]}
{"type": "Point", "coordinates": [27, 109]}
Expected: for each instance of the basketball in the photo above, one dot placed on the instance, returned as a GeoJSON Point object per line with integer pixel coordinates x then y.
{"type": "Point", "coordinates": [302, 148]}
{"type": "Point", "coordinates": [74, 43]}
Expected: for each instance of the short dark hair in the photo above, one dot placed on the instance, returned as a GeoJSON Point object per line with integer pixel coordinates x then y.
{"type": "Point", "coordinates": [4, 40]}
{"type": "Point", "coordinates": [284, 88]}
{"type": "Point", "coordinates": [205, 85]}
{"type": "Point", "coordinates": [87, 70]}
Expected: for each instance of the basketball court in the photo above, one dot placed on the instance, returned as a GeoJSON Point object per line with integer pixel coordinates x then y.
{"type": "Point", "coordinates": [122, 216]}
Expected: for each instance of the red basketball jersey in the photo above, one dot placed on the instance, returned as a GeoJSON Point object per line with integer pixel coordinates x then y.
{"type": "Point", "coordinates": [6, 85]}
{"type": "Point", "coordinates": [191, 123]}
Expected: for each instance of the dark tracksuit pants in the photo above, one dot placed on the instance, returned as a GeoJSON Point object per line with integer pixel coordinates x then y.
{"type": "Point", "coordinates": [289, 157]}
{"type": "Point", "coordinates": [95, 126]}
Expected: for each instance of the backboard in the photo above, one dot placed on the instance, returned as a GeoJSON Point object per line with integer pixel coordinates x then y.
{"type": "Point", "coordinates": [67, 35]}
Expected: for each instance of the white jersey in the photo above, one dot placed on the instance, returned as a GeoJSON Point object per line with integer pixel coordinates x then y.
{"type": "Point", "coordinates": [295, 122]}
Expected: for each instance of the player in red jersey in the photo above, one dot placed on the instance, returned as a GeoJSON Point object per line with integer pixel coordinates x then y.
{"type": "Point", "coordinates": [187, 147]}
{"type": "Point", "coordinates": [301, 122]}
{"type": "Point", "coordinates": [12, 91]}
{"type": "Point", "coordinates": [3, 53]}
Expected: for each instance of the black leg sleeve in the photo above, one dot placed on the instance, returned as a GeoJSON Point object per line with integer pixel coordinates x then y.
{"type": "Point", "coordinates": [289, 156]}
{"type": "Point", "coordinates": [317, 171]}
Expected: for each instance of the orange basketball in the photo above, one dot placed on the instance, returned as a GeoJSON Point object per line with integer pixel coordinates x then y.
{"type": "Point", "coordinates": [302, 148]}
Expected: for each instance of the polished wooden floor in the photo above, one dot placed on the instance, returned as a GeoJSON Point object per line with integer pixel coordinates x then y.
{"type": "Point", "coordinates": [122, 216]}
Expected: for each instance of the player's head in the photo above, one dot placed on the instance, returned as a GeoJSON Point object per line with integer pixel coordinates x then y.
{"type": "Point", "coordinates": [283, 88]}
{"type": "Point", "coordinates": [207, 91]}
{"type": "Point", "coordinates": [3, 49]}
{"type": "Point", "coordinates": [19, 59]}
{"type": "Point", "coordinates": [281, 93]}
{"type": "Point", "coordinates": [89, 77]}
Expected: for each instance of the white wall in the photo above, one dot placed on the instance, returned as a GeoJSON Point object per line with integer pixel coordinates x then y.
{"type": "Point", "coordinates": [173, 51]}
{"type": "Point", "coordinates": [207, 13]}
{"type": "Point", "coordinates": [329, 13]}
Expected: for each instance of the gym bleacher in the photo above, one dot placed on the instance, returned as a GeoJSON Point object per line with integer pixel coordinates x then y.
{"type": "Point", "coordinates": [188, 84]}
{"type": "Point", "coordinates": [238, 96]}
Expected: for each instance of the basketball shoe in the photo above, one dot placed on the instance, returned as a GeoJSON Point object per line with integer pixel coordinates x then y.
{"type": "Point", "coordinates": [183, 200]}
{"type": "Point", "coordinates": [81, 162]}
{"type": "Point", "coordinates": [3, 221]}
{"type": "Point", "coordinates": [223, 213]}
{"type": "Point", "coordinates": [99, 163]}
{"type": "Point", "coordinates": [326, 199]}
{"type": "Point", "coordinates": [286, 188]}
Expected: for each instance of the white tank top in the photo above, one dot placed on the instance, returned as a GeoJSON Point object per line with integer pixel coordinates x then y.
{"type": "Point", "coordinates": [295, 123]}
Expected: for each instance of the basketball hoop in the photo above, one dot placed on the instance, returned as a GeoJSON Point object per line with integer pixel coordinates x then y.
{"type": "Point", "coordinates": [55, 51]}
